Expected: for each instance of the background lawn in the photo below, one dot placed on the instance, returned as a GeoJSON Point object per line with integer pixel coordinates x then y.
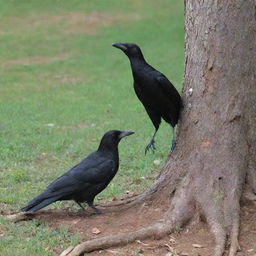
{"type": "Point", "coordinates": [62, 86]}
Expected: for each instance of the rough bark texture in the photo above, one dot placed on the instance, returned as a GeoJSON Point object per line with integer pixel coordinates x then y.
{"type": "Point", "coordinates": [216, 151]}
{"type": "Point", "coordinates": [220, 68]}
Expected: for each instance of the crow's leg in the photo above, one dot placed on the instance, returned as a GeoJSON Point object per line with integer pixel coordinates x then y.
{"type": "Point", "coordinates": [98, 211]}
{"type": "Point", "coordinates": [151, 144]}
{"type": "Point", "coordinates": [82, 208]}
{"type": "Point", "coordinates": [173, 145]}
{"type": "Point", "coordinates": [80, 205]}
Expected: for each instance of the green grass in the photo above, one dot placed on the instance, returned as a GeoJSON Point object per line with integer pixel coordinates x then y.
{"type": "Point", "coordinates": [57, 66]}
{"type": "Point", "coordinates": [34, 238]}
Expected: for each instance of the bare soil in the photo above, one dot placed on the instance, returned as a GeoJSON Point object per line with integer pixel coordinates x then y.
{"type": "Point", "coordinates": [69, 23]}
{"type": "Point", "coordinates": [192, 240]}
{"type": "Point", "coordinates": [34, 60]}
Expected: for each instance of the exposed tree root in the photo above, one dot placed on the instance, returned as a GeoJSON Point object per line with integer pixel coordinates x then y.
{"type": "Point", "coordinates": [234, 245]}
{"type": "Point", "coordinates": [251, 180]}
{"type": "Point", "coordinates": [158, 230]}
{"type": "Point", "coordinates": [164, 179]}
{"type": "Point", "coordinates": [134, 200]}
{"type": "Point", "coordinates": [175, 216]}
{"type": "Point", "coordinates": [183, 207]}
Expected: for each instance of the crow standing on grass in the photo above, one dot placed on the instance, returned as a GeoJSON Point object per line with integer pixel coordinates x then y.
{"type": "Point", "coordinates": [87, 179]}
{"type": "Point", "coordinates": [154, 90]}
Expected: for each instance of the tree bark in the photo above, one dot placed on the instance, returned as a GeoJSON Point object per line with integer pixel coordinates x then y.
{"type": "Point", "coordinates": [216, 147]}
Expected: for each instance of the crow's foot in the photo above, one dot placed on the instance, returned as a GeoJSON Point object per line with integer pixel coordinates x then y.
{"type": "Point", "coordinates": [97, 211]}
{"type": "Point", "coordinates": [173, 146]}
{"type": "Point", "coordinates": [150, 146]}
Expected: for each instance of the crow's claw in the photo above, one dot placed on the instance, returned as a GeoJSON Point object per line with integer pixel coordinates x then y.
{"type": "Point", "coordinates": [173, 146]}
{"type": "Point", "coordinates": [97, 211]}
{"type": "Point", "coordinates": [150, 146]}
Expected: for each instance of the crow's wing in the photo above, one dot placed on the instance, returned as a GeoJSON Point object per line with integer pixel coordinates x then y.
{"type": "Point", "coordinates": [94, 169]}
{"type": "Point", "coordinates": [154, 116]}
{"type": "Point", "coordinates": [169, 90]}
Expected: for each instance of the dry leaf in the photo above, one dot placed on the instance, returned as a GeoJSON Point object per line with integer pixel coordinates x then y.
{"type": "Point", "coordinates": [197, 245]}
{"type": "Point", "coordinates": [139, 242]}
{"type": "Point", "coordinates": [96, 231]}
{"type": "Point", "coordinates": [169, 247]}
{"type": "Point", "coordinates": [111, 251]}
{"type": "Point", "coordinates": [76, 221]}
{"type": "Point", "coordinates": [172, 240]}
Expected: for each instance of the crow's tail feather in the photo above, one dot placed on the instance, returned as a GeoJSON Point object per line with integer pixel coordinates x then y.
{"type": "Point", "coordinates": [39, 203]}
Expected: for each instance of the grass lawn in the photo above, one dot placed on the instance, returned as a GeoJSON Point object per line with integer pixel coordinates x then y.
{"type": "Point", "coordinates": [62, 86]}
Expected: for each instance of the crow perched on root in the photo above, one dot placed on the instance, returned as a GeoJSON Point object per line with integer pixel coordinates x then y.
{"type": "Point", "coordinates": [154, 90]}
{"type": "Point", "coordinates": [85, 180]}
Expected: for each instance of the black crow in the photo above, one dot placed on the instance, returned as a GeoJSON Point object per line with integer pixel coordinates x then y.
{"type": "Point", "coordinates": [86, 179]}
{"type": "Point", "coordinates": [154, 90]}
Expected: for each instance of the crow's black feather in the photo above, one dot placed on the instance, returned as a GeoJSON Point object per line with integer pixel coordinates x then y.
{"type": "Point", "coordinates": [157, 94]}
{"type": "Point", "coordinates": [87, 179]}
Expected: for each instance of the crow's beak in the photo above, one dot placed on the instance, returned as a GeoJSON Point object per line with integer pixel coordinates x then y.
{"type": "Point", "coordinates": [120, 46]}
{"type": "Point", "coordinates": [125, 133]}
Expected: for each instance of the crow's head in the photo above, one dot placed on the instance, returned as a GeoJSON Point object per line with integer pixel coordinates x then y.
{"type": "Point", "coordinates": [111, 138]}
{"type": "Point", "coordinates": [131, 50]}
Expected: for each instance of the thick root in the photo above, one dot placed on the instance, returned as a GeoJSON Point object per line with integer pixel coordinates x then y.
{"type": "Point", "coordinates": [179, 212]}
{"type": "Point", "coordinates": [158, 230]}
{"type": "Point", "coordinates": [249, 195]}
{"type": "Point", "coordinates": [147, 195]}
{"type": "Point", "coordinates": [182, 208]}
{"type": "Point", "coordinates": [157, 187]}
{"type": "Point", "coordinates": [234, 245]}
{"type": "Point", "coordinates": [220, 237]}
{"type": "Point", "coordinates": [223, 219]}
{"type": "Point", "coordinates": [251, 179]}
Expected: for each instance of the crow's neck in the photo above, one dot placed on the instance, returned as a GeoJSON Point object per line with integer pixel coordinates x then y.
{"type": "Point", "coordinates": [137, 60]}
{"type": "Point", "coordinates": [137, 64]}
{"type": "Point", "coordinates": [110, 150]}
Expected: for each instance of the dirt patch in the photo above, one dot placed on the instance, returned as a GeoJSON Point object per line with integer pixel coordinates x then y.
{"type": "Point", "coordinates": [79, 23]}
{"type": "Point", "coordinates": [67, 79]}
{"type": "Point", "coordinates": [193, 240]}
{"type": "Point", "coordinates": [75, 127]}
{"type": "Point", "coordinates": [67, 23]}
{"type": "Point", "coordinates": [34, 60]}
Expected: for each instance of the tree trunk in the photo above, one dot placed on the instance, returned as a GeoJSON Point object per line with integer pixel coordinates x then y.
{"type": "Point", "coordinates": [216, 151]}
